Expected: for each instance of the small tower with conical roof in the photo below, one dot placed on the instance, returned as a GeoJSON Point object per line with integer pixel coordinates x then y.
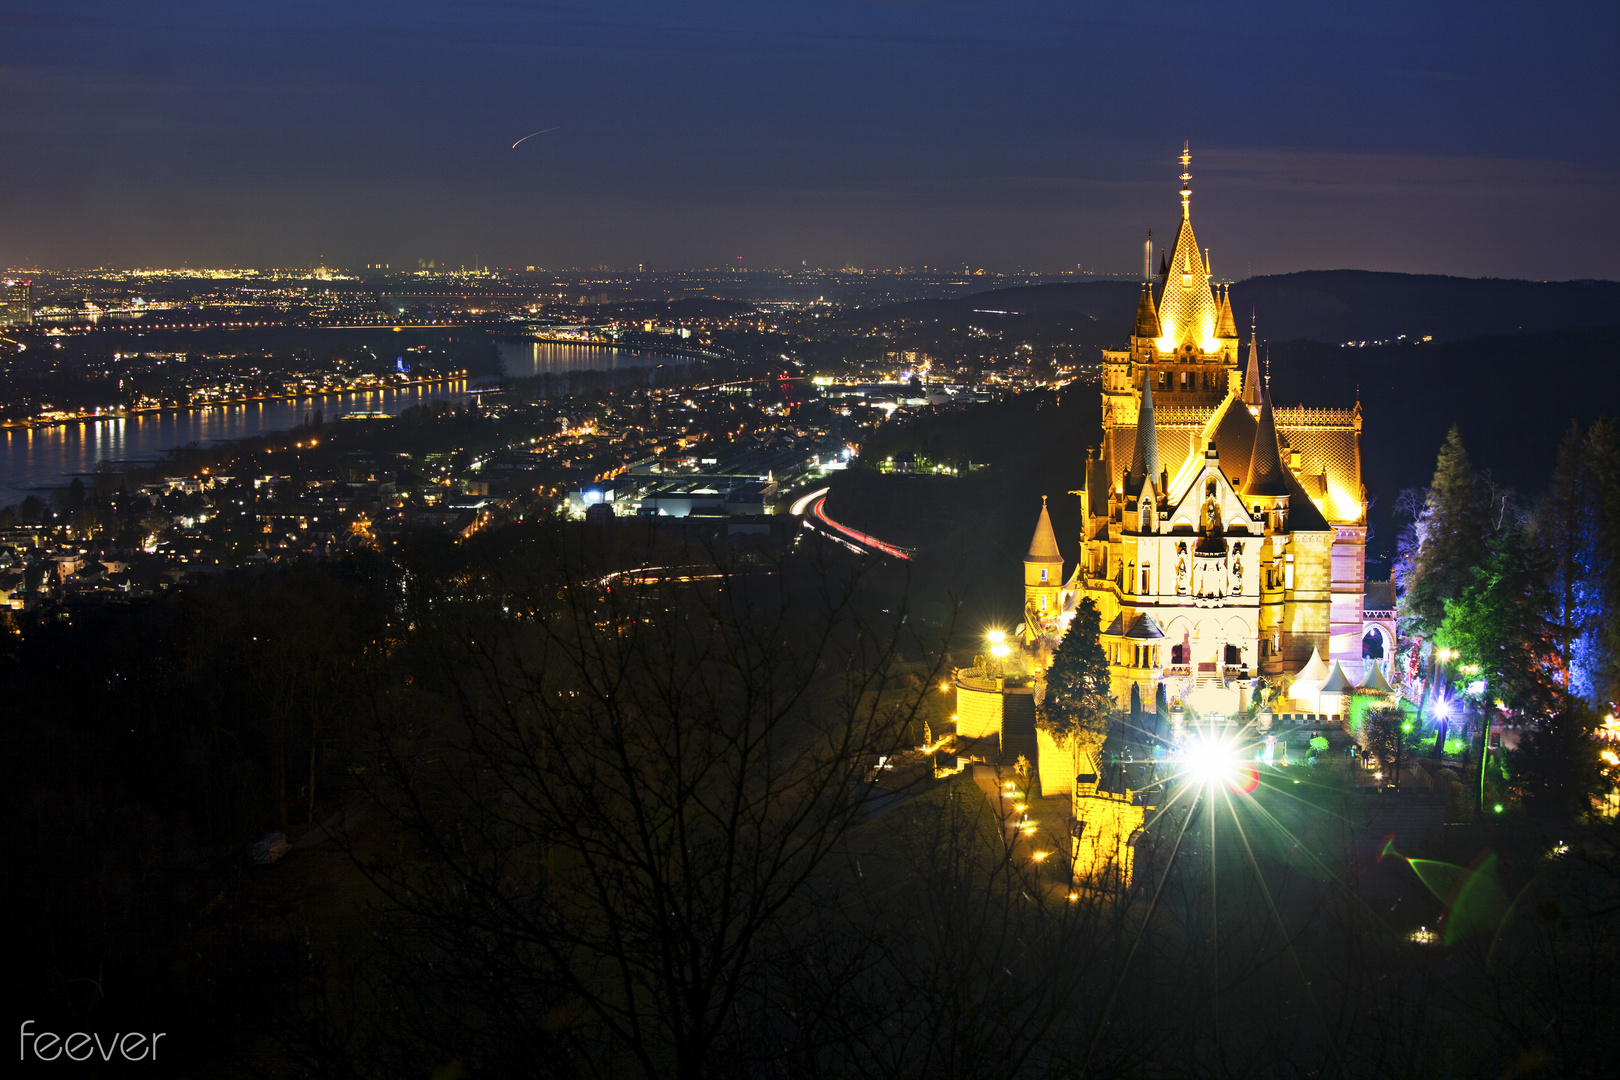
{"type": "Point", "coordinates": [1145, 466]}
{"type": "Point", "coordinates": [1043, 576]}
{"type": "Point", "coordinates": [1267, 485]}
{"type": "Point", "coordinates": [1147, 317]}
{"type": "Point", "coordinates": [1251, 378]}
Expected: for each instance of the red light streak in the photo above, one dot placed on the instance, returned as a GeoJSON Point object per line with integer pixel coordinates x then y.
{"type": "Point", "coordinates": [860, 537]}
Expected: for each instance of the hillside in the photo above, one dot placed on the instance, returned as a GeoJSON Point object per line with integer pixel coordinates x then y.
{"type": "Point", "coordinates": [1331, 306]}
{"type": "Point", "coordinates": [1512, 395]}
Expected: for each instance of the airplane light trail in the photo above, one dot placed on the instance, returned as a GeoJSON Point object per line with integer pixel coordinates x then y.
{"type": "Point", "coordinates": [532, 134]}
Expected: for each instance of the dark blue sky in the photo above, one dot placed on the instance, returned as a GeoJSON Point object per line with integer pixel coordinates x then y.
{"type": "Point", "coordinates": [1458, 137]}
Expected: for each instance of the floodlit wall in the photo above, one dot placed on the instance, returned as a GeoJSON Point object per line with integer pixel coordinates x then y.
{"type": "Point", "coordinates": [1055, 764]}
{"type": "Point", "coordinates": [978, 709]}
{"type": "Point", "coordinates": [1106, 846]}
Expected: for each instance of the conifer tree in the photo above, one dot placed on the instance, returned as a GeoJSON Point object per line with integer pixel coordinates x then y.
{"type": "Point", "coordinates": [1077, 701]}
{"type": "Point", "coordinates": [1451, 535]}
{"type": "Point", "coordinates": [1501, 621]}
{"type": "Point", "coordinates": [1564, 546]}
{"type": "Point", "coordinates": [1580, 529]}
{"type": "Point", "coordinates": [1556, 768]}
{"type": "Point", "coordinates": [1603, 467]}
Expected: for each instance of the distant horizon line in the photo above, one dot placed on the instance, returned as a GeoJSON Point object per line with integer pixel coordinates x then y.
{"type": "Point", "coordinates": [311, 272]}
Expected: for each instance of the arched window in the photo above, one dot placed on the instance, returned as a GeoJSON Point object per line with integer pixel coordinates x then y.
{"type": "Point", "coordinates": [1372, 645]}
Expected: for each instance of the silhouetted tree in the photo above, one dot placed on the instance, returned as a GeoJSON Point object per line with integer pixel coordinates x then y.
{"type": "Point", "coordinates": [1556, 767]}
{"type": "Point", "coordinates": [1451, 536]}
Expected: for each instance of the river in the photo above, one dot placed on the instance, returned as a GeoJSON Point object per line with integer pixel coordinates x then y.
{"type": "Point", "coordinates": [35, 460]}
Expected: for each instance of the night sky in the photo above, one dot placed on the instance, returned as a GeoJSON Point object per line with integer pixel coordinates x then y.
{"type": "Point", "coordinates": [1454, 137]}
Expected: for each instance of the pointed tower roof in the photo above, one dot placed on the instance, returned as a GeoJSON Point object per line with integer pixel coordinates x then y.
{"type": "Point", "coordinates": [1231, 428]}
{"type": "Point", "coordinates": [1043, 547]}
{"type": "Point", "coordinates": [1145, 459]}
{"type": "Point", "coordinates": [1147, 319]}
{"type": "Point", "coordinates": [1374, 680]}
{"type": "Point", "coordinates": [1187, 309]}
{"type": "Point", "coordinates": [1314, 670]}
{"type": "Point", "coordinates": [1251, 377]}
{"type": "Point", "coordinates": [1266, 474]}
{"type": "Point", "coordinates": [1337, 681]}
{"type": "Point", "coordinates": [1226, 326]}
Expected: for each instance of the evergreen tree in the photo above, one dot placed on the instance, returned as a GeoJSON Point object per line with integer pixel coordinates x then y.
{"type": "Point", "coordinates": [1580, 528]}
{"type": "Point", "coordinates": [1603, 466]}
{"type": "Point", "coordinates": [1451, 534]}
{"type": "Point", "coordinates": [1077, 701]}
{"type": "Point", "coordinates": [1501, 621]}
{"type": "Point", "coordinates": [1564, 546]}
{"type": "Point", "coordinates": [1556, 768]}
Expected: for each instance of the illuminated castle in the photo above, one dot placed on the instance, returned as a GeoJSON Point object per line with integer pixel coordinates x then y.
{"type": "Point", "coordinates": [1224, 536]}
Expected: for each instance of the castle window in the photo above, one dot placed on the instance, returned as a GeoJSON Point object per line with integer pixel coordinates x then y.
{"type": "Point", "coordinates": [1043, 595]}
{"type": "Point", "coordinates": [1043, 575]}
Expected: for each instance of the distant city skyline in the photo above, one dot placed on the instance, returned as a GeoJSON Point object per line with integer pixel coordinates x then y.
{"type": "Point", "coordinates": [1445, 138]}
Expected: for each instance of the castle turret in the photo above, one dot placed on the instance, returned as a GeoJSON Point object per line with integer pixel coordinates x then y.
{"type": "Point", "coordinates": [1266, 477]}
{"type": "Point", "coordinates": [1147, 317]}
{"type": "Point", "coordinates": [1251, 378]}
{"type": "Point", "coordinates": [1226, 326]}
{"type": "Point", "coordinates": [1145, 460]}
{"type": "Point", "coordinates": [1043, 576]}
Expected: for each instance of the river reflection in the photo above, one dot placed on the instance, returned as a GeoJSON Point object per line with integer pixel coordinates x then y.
{"type": "Point", "coordinates": [49, 457]}
{"type": "Point", "coordinates": [524, 358]}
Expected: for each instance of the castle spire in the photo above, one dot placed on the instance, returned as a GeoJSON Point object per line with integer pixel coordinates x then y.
{"type": "Point", "coordinates": [1266, 476]}
{"type": "Point", "coordinates": [1147, 317]}
{"type": "Point", "coordinates": [1186, 181]}
{"type": "Point", "coordinates": [1043, 547]}
{"type": "Point", "coordinates": [1145, 459]}
{"type": "Point", "coordinates": [1188, 310]}
{"type": "Point", "coordinates": [1251, 379]}
{"type": "Point", "coordinates": [1226, 325]}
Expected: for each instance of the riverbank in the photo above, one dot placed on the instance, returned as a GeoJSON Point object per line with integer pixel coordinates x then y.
{"type": "Point", "coordinates": [655, 349]}
{"type": "Point", "coordinates": [158, 410]}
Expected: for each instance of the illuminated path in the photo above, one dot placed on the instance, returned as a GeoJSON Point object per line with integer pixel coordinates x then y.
{"type": "Point", "coordinates": [816, 502]}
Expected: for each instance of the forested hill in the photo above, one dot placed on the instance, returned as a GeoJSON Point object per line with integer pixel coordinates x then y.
{"type": "Point", "coordinates": [1332, 306]}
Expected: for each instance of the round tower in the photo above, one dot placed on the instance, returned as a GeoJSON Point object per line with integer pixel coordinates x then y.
{"type": "Point", "coordinates": [1043, 577]}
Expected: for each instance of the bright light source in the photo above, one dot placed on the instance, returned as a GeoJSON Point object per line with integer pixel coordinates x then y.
{"type": "Point", "coordinates": [1442, 708]}
{"type": "Point", "coordinates": [995, 637]}
{"type": "Point", "coordinates": [1211, 760]}
{"type": "Point", "coordinates": [998, 650]}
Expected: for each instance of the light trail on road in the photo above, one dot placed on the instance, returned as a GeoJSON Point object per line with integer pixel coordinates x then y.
{"type": "Point", "coordinates": [859, 537]}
